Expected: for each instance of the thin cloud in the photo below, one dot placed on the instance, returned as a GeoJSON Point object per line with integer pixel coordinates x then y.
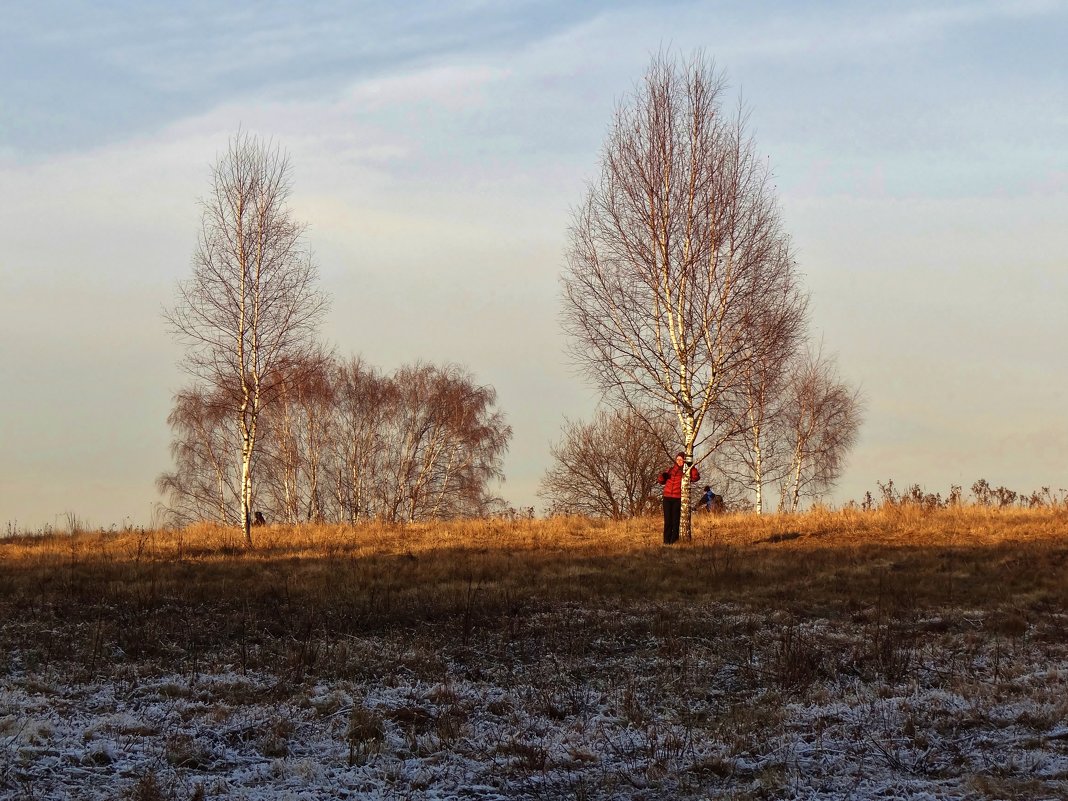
{"type": "Point", "coordinates": [845, 32]}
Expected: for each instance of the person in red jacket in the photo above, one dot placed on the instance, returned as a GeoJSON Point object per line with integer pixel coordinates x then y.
{"type": "Point", "coordinates": [672, 481]}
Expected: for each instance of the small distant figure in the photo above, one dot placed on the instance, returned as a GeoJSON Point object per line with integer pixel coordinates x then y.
{"type": "Point", "coordinates": [710, 502]}
{"type": "Point", "coordinates": [258, 519]}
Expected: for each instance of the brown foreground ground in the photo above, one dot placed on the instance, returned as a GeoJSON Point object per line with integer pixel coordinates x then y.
{"type": "Point", "coordinates": [896, 653]}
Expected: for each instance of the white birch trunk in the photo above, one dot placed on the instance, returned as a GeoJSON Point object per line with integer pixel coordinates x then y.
{"type": "Point", "coordinates": [686, 524]}
{"type": "Point", "coordinates": [795, 494]}
{"type": "Point", "coordinates": [758, 473]}
{"type": "Point", "coordinates": [248, 441]}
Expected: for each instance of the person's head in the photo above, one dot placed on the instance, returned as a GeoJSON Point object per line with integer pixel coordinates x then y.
{"type": "Point", "coordinates": [708, 489]}
{"type": "Point", "coordinates": [680, 458]}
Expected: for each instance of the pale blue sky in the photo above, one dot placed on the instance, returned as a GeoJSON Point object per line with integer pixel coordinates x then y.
{"type": "Point", "coordinates": [919, 149]}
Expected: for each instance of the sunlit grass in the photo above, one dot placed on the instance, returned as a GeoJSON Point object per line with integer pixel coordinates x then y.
{"type": "Point", "coordinates": [966, 554]}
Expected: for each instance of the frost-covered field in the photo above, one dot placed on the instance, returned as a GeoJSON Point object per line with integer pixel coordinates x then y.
{"type": "Point", "coordinates": [634, 702]}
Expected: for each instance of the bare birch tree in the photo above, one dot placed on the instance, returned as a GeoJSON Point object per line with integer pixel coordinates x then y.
{"type": "Point", "coordinates": [445, 443]}
{"type": "Point", "coordinates": [295, 435]}
{"type": "Point", "coordinates": [203, 485]}
{"type": "Point", "coordinates": [757, 455]}
{"type": "Point", "coordinates": [252, 301]}
{"type": "Point", "coordinates": [676, 277]}
{"type": "Point", "coordinates": [364, 403]}
{"type": "Point", "coordinates": [823, 417]}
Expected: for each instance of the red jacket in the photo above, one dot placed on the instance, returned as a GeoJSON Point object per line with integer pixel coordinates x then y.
{"type": "Point", "coordinates": [672, 480]}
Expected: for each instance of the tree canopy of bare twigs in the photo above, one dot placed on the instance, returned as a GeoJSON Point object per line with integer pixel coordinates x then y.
{"type": "Point", "coordinates": [343, 442]}
{"type": "Point", "coordinates": [758, 453]}
{"type": "Point", "coordinates": [679, 275]}
{"type": "Point", "coordinates": [203, 484]}
{"type": "Point", "coordinates": [251, 304]}
{"type": "Point", "coordinates": [822, 416]}
{"type": "Point", "coordinates": [448, 443]}
{"type": "Point", "coordinates": [607, 467]}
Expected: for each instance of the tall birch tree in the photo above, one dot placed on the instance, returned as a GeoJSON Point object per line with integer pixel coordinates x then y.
{"type": "Point", "coordinates": [252, 303]}
{"type": "Point", "coordinates": [678, 273]}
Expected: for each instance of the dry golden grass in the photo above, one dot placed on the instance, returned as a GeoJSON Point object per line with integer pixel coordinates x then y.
{"type": "Point", "coordinates": [469, 574]}
{"type": "Point", "coordinates": [950, 554]}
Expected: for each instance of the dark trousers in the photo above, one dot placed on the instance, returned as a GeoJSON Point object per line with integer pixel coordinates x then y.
{"type": "Point", "coordinates": [672, 513]}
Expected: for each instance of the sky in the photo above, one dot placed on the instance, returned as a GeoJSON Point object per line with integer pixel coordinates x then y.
{"type": "Point", "coordinates": [920, 153]}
